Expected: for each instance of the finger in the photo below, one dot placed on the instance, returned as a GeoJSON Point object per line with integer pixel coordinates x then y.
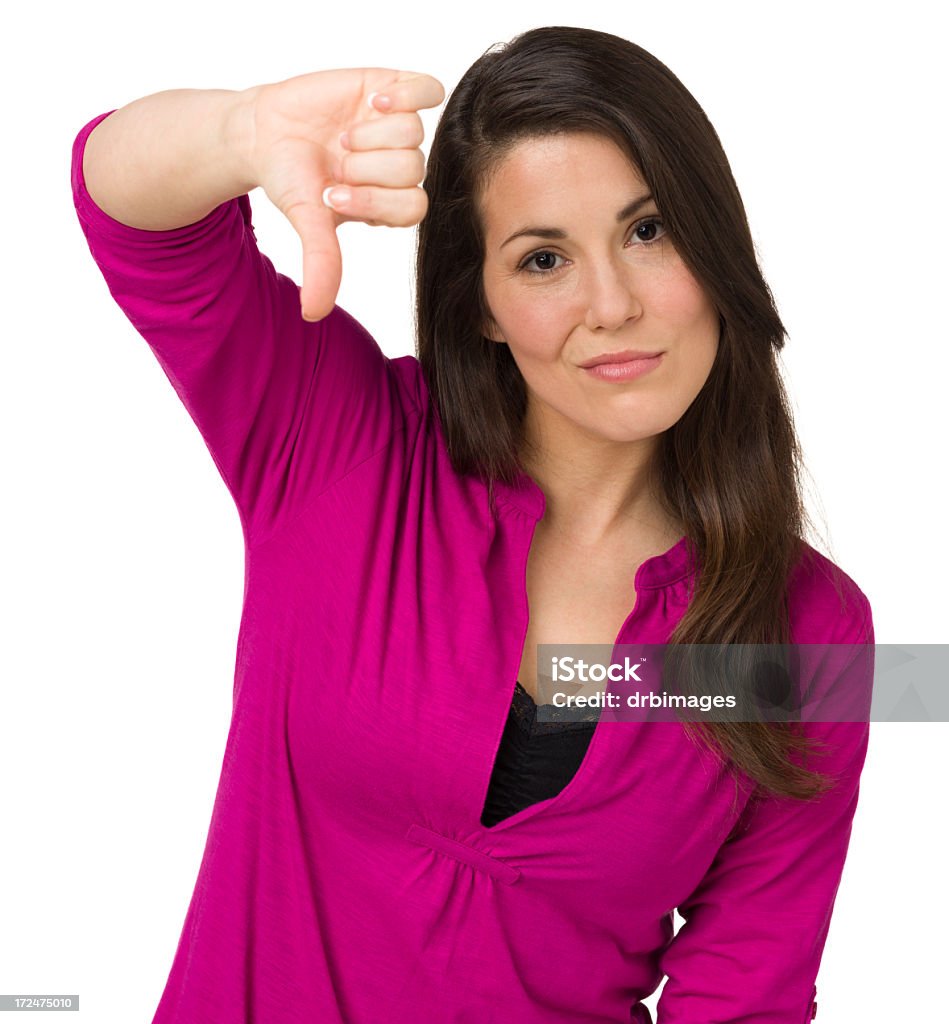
{"type": "Point", "coordinates": [395, 207]}
{"type": "Point", "coordinates": [410, 91]}
{"type": "Point", "coordinates": [322, 259]}
{"type": "Point", "coordinates": [394, 131]}
{"type": "Point", "coordinates": [389, 168]}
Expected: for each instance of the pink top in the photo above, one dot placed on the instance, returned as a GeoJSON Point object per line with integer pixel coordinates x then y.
{"type": "Point", "coordinates": [347, 878]}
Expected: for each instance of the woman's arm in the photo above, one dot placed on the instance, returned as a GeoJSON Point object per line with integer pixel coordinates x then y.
{"type": "Point", "coordinates": [285, 407]}
{"type": "Point", "coordinates": [755, 928]}
{"type": "Point", "coordinates": [167, 160]}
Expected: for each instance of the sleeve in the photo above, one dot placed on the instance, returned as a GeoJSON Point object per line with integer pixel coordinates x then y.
{"type": "Point", "coordinates": [285, 407]}
{"type": "Point", "coordinates": [754, 929]}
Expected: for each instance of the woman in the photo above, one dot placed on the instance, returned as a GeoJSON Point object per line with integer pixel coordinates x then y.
{"type": "Point", "coordinates": [593, 446]}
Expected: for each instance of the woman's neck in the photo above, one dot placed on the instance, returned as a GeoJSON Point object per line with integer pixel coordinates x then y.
{"type": "Point", "coordinates": [602, 495]}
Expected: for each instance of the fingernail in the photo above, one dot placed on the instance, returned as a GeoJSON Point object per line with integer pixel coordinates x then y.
{"type": "Point", "coordinates": [344, 139]}
{"type": "Point", "coordinates": [379, 101]}
{"type": "Point", "coordinates": [334, 196]}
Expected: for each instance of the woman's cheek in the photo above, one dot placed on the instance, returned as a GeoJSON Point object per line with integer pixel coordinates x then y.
{"type": "Point", "coordinates": [524, 333]}
{"type": "Point", "coordinates": [684, 299]}
{"type": "Point", "coordinates": [543, 326]}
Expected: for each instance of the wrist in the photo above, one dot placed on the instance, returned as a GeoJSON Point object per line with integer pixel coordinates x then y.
{"type": "Point", "coordinates": [239, 128]}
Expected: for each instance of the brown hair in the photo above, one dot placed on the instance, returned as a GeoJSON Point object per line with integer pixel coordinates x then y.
{"type": "Point", "coordinates": [729, 469]}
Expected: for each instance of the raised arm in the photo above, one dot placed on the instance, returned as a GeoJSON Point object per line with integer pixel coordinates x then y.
{"type": "Point", "coordinates": [285, 407]}
{"type": "Point", "coordinates": [166, 160]}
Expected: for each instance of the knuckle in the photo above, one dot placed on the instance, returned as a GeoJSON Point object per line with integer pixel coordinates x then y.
{"type": "Point", "coordinates": [411, 167]}
{"type": "Point", "coordinates": [401, 215]}
{"type": "Point", "coordinates": [418, 168]}
{"type": "Point", "coordinates": [414, 207]}
{"type": "Point", "coordinates": [412, 132]}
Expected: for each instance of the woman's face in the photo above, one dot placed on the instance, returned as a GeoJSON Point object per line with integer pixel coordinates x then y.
{"type": "Point", "coordinates": [577, 266]}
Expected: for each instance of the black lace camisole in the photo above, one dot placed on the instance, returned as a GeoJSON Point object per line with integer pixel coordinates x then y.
{"type": "Point", "coordinates": [535, 760]}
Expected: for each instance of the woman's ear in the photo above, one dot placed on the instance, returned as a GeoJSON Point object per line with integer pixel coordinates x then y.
{"type": "Point", "coordinates": [492, 332]}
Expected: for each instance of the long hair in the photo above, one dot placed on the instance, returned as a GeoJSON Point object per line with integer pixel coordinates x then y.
{"type": "Point", "coordinates": [730, 469]}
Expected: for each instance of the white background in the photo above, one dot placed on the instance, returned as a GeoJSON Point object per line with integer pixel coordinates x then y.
{"type": "Point", "coordinates": [123, 560]}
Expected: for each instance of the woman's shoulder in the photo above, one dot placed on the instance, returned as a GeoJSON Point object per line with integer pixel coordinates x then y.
{"type": "Point", "coordinates": [825, 603]}
{"type": "Point", "coordinates": [408, 372]}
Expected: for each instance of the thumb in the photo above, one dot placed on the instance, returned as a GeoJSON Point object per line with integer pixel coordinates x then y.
{"type": "Point", "coordinates": [322, 259]}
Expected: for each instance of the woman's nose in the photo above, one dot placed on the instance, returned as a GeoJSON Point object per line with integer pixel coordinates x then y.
{"type": "Point", "coordinates": [611, 297]}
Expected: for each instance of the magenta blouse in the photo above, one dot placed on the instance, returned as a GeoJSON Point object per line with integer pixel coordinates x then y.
{"type": "Point", "coordinates": [347, 878]}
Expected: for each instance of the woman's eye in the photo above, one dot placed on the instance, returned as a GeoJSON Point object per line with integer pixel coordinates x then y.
{"type": "Point", "coordinates": [647, 231]}
{"type": "Point", "coordinates": [541, 262]}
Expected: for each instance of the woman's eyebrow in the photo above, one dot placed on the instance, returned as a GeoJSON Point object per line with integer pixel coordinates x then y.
{"type": "Point", "coordinates": [628, 211]}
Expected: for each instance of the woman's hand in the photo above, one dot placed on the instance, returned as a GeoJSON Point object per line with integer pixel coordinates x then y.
{"type": "Point", "coordinates": [315, 140]}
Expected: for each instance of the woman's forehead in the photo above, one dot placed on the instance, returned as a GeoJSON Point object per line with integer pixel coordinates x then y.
{"type": "Point", "coordinates": [556, 172]}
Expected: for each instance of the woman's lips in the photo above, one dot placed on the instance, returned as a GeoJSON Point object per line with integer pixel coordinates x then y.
{"type": "Point", "coordinates": [626, 370]}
